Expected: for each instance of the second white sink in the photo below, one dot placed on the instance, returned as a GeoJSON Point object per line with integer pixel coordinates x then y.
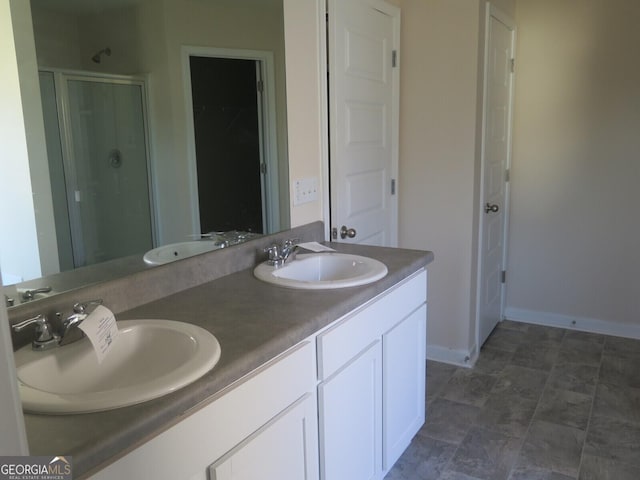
{"type": "Point", "coordinates": [149, 359]}
{"type": "Point", "coordinates": [317, 271]}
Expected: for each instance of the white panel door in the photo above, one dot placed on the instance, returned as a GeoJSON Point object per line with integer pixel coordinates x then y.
{"type": "Point", "coordinates": [350, 414]}
{"type": "Point", "coordinates": [496, 155]}
{"type": "Point", "coordinates": [363, 109]}
{"type": "Point", "coordinates": [403, 386]}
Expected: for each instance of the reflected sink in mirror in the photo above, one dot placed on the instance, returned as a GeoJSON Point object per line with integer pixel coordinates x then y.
{"type": "Point", "coordinates": [212, 241]}
{"type": "Point", "coordinates": [176, 251]}
{"type": "Point", "coordinates": [319, 271]}
{"type": "Point", "coordinates": [149, 359]}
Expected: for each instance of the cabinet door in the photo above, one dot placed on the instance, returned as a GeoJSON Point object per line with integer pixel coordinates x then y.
{"type": "Point", "coordinates": [284, 449]}
{"type": "Point", "coordinates": [350, 409]}
{"type": "Point", "coordinates": [404, 384]}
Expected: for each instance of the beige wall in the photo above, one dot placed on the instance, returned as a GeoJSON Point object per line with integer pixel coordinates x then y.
{"type": "Point", "coordinates": [439, 46]}
{"type": "Point", "coordinates": [508, 7]}
{"type": "Point", "coordinates": [575, 232]}
{"type": "Point", "coordinates": [58, 41]}
{"type": "Point", "coordinates": [306, 102]}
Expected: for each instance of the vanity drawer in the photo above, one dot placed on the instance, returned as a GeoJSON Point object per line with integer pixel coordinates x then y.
{"type": "Point", "coordinates": [353, 333]}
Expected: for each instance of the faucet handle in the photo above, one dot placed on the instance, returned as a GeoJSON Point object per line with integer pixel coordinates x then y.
{"type": "Point", "coordinates": [29, 295]}
{"type": "Point", "coordinates": [273, 251]}
{"type": "Point", "coordinates": [82, 307]}
{"type": "Point", "coordinates": [9, 301]}
{"type": "Point", "coordinates": [44, 338]}
{"type": "Point", "coordinates": [39, 320]}
{"type": "Point", "coordinates": [290, 242]}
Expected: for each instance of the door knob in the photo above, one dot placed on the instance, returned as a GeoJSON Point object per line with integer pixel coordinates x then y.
{"type": "Point", "coordinates": [347, 232]}
{"type": "Point", "coordinates": [491, 208]}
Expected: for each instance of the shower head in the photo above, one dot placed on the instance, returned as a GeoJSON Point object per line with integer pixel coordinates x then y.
{"type": "Point", "coordinates": [98, 56]}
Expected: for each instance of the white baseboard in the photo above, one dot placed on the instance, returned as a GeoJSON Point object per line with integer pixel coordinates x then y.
{"type": "Point", "coordinates": [583, 324]}
{"type": "Point", "coordinates": [460, 358]}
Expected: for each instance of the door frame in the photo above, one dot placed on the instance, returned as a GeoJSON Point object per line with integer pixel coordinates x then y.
{"type": "Point", "coordinates": [268, 134]}
{"type": "Point", "coordinates": [492, 11]}
{"type": "Point", "coordinates": [395, 13]}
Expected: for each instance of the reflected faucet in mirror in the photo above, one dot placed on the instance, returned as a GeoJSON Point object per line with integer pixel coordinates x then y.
{"type": "Point", "coordinates": [28, 295]}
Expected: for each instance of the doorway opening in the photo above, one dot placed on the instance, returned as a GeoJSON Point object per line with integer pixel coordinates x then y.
{"type": "Point", "coordinates": [233, 146]}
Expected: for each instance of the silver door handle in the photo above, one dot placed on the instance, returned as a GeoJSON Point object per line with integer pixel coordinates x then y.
{"type": "Point", "coordinates": [491, 208]}
{"type": "Point", "coordinates": [347, 232]}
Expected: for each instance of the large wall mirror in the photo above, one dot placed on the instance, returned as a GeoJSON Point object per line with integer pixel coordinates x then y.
{"type": "Point", "coordinates": [163, 120]}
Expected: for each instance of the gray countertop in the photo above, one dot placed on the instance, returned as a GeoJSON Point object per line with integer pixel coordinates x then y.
{"type": "Point", "coordinates": [253, 321]}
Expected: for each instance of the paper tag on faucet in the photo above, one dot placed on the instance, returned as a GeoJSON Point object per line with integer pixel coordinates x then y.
{"type": "Point", "coordinates": [315, 247]}
{"type": "Point", "coordinates": [100, 326]}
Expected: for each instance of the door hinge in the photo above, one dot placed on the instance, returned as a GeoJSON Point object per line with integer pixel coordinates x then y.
{"type": "Point", "coordinates": [393, 186]}
{"type": "Point", "coordinates": [394, 58]}
{"type": "Point", "coordinates": [507, 175]}
{"type": "Point", "coordinates": [503, 278]}
{"type": "Point", "coordinates": [260, 86]}
{"type": "Point", "coordinates": [263, 168]}
{"type": "Point", "coordinates": [513, 65]}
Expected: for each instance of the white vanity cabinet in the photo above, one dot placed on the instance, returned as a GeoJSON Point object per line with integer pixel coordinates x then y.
{"type": "Point", "coordinates": [264, 426]}
{"type": "Point", "coordinates": [371, 396]}
{"type": "Point", "coordinates": [342, 405]}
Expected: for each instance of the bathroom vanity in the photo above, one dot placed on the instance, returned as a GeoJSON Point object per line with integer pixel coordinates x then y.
{"type": "Point", "coordinates": [310, 384]}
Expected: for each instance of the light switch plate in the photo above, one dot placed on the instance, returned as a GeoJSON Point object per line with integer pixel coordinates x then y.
{"type": "Point", "coordinates": [305, 190]}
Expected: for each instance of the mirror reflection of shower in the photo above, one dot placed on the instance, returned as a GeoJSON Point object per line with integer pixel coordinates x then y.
{"type": "Point", "coordinates": [97, 58]}
{"type": "Point", "coordinates": [95, 126]}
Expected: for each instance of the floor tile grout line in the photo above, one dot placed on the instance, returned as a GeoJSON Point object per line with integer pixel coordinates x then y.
{"type": "Point", "coordinates": [593, 402]}
{"type": "Point", "coordinates": [539, 401]}
{"type": "Point", "coordinates": [457, 444]}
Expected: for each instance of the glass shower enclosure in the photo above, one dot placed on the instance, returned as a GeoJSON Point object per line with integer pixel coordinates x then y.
{"type": "Point", "coordinates": [97, 146]}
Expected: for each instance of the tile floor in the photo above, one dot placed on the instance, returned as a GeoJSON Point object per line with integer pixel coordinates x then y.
{"type": "Point", "coordinates": [541, 404]}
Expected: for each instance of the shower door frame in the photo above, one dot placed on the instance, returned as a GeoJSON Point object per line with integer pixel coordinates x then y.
{"type": "Point", "coordinates": [61, 77]}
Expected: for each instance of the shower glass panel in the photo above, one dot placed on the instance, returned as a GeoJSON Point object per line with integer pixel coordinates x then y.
{"type": "Point", "coordinates": [106, 170]}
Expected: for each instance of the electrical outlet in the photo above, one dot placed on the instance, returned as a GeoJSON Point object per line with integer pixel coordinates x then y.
{"type": "Point", "coordinates": [305, 190]}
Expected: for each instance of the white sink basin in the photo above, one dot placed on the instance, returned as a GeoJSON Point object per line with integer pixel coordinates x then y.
{"type": "Point", "coordinates": [317, 271]}
{"type": "Point", "coordinates": [149, 359]}
{"type": "Point", "coordinates": [176, 251]}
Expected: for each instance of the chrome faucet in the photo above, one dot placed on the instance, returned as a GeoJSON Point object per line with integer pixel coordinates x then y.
{"type": "Point", "coordinates": [46, 338]}
{"type": "Point", "coordinates": [70, 332]}
{"type": "Point", "coordinates": [29, 295]}
{"type": "Point", "coordinates": [280, 254]}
